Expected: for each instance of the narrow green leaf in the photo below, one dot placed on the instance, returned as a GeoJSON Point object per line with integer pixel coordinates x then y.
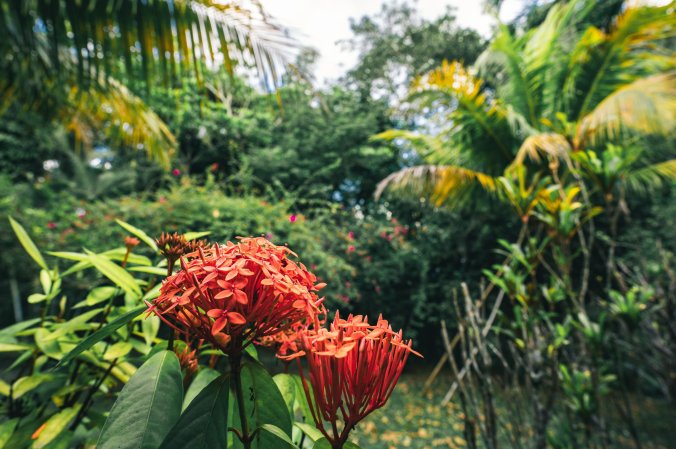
{"type": "Point", "coordinates": [310, 430]}
{"type": "Point", "coordinates": [279, 433]}
{"type": "Point", "coordinates": [150, 270]}
{"type": "Point", "coordinates": [6, 430]}
{"type": "Point", "coordinates": [150, 327]}
{"type": "Point", "coordinates": [27, 243]}
{"type": "Point", "coordinates": [203, 378]}
{"type": "Point", "coordinates": [145, 238]}
{"type": "Point", "coordinates": [36, 298]}
{"type": "Point", "coordinates": [102, 333]}
{"type": "Point", "coordinates": [147, 407]}
{"type": "Point", "coordinates": [203, 425]}
{"type": "Point", "coordinates": [100, 294]}
{"type": "Point", "coordinates": [10, 347]}
{"type": "Point", "coordinates": [54, 426]}
{"type": "Point", "coordinates": [195, 235]}
{"type": "Point", "coordinates": [115, 273]}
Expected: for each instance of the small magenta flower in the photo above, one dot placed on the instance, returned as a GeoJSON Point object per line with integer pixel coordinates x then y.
{"type": "Point", "coordinates": [80, 212]}
{"type": "Point", "coordinates": [176, 172]}
{"type": "Point", "coordinates": [350, 235]}
{"type": "Point", "coordinates": [351, 249]}
{"type": "Point", "coordinates": [51, 225]}
{"type": "Point", "coordinates": [353, 369]}
{"type": "Point", "coordinates": [292, 218]}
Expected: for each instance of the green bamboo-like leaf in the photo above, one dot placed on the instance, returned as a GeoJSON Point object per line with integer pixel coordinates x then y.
{"type": "Point", "coordinates": [28, 244]}
{"type": "Point", "coordinates": [147, 407]}
{"type": "Point", "coordinates": [203, 378]}
{"type": "Point", "coordinates": [115, 273]}
{"type": "Point", "coordinates": [54, 426]}
{"type": "Point", "coordinates": [277, 432]}
{"type": "Point", "coordinates": [195, 235]}
{"type": "Point", "coordinates": [203, 424]}
{"type": "Point", "coordinates": [145, 238]}
{"type": "Point", "coordinates": [310, 430]}
{"type": "Point", "coordinates": [11, 347]}
{"type": "Point", "coordinates": [263, 404]}
{"type": "Point", "coordinates": [102, 333]}
{"type": "Point", "coordinates": [150, 270]}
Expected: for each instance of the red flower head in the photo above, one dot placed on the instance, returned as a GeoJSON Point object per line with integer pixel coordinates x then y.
{"type": "Point", "coordinates": [234, 294]}
{"type": "Point", "coordinates": [353, 369]}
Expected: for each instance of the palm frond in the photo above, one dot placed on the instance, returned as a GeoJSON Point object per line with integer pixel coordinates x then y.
{"type": "Point", "coordinates": [438, 182]}
{"type": "Point", "coordinates": [538, 145]}
{"type": "Point", "coordinates": [601, 63]}
{"type": "Point", "coordinates": [653, 176]}
{"type": "Point", "coordinates": [647, 105]}
{"type": "Point", "coordinates": [160, 40]}
{"type": "Point", "coordinates": [433, 149]}
{"type": "Point", "coordinates": [479, 126]}
{"type": "Point", "coordinates": [120, 116]}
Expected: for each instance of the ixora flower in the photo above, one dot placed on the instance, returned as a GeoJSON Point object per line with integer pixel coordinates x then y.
{"type": "Point", "coordinates": [353, 369]}
{"type": "Point", "coordinates": [235, 294]}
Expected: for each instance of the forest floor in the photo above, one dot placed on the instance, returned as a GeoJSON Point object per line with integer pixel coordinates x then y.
{"type": "Point", "coordinates": [416, 421]}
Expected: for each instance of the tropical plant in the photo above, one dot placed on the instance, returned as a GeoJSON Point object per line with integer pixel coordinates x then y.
{"type": "Point", "coordinates": [217, 304]}
{"type": "Point", "coordinates": [556, 93]}
{"type": "Point", "coordinates": [78, 62]}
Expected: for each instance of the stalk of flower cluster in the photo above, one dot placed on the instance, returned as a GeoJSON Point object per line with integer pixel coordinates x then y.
{"type": "Point", "coordinates": [353, 368]}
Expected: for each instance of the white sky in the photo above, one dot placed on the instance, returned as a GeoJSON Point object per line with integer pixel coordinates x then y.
{"type": "Point", "coordinates": [322, 23]}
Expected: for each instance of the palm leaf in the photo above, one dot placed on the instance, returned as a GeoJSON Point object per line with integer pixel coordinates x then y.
{"type": "Point", "coordinates": [480, 128]}
{"type": "Point", "coordinates": [647, 105]}
{"type": "Point", "coordinates": [651, 177]}
{"type": "Point", "coordinates": [438, 182]}
{"type": "Point", "coordinates": [549, 144]}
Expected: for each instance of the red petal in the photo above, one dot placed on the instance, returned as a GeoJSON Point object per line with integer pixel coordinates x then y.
{"type": "Point", "coordinates": [232, 275]}
{"type": "Point", "coordinates": [215, 313]}
{"type": "Point", "coordinates": [223, 294]}
{"type": "Point", "coordinates": [299, 304]}
{"type": "Point", "coordinates": [241, 297]}
{"type": "Point", "coordinates": [236, 318]}
{"type": "Point", "coordinates": [267, 282]}
{"type": "Point", "coordinates": [218, 325]}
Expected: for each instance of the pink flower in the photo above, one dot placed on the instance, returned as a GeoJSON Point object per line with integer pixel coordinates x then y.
{"type": "Point", "coordinates": [292, 218]}
{"type": "Point", "coordinates": [176, 172]}
{"type": "Point", "coordinates": [351, 249]}
{"type": "Point", "coordinates": [350, 235]}
{"type": "Point", "coordinates": [51, 225]}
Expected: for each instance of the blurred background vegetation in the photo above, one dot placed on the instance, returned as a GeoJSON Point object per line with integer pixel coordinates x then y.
{"type": "Point", "coordinates": [537, 165]}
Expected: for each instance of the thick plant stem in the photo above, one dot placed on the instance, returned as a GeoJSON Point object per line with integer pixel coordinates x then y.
{"type": "Point", "coordinates": [236, 375]}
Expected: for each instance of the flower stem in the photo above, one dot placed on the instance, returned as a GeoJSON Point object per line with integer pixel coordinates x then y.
{"type": "Point", "coordinates": [236, 374]}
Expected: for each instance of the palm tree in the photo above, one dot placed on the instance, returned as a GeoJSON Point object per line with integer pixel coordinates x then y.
{"type": "Point", "coordinates": [557, 93]}
{"type": "Point", "coordinates": [82, 61]}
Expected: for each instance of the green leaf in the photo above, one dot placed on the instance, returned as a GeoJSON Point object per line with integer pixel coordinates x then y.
{"type": "Point", "coordinates": [279, 433]}
{"type": "Point", "coordinates": [28, 383]}
{"type": "Point", "coordinates": [263, 404]}
{"type": "Point", "coordinates": [203, 425]}
{"type": "Point", "coordinates": [147, 407]}
{"type": "Point", "coordinates": [195, 235]}
{"type": "Point", "coordinates": [203, 378]}
{"type": "Point", "coordinates": [118, 350]}
{"type": "Point", "coordinates": [100, 294]}
{"type": "Point", "coordinates": [54, 426]}
{"type": "Point", "coordinates": [287, 387]}
{"type": "Point", "coordinates": [150, 326]}
{"type": "Point", "coordinates": [102, 333]}
{"type": "Point", "coordinates": [14, 329]}
{"type": "Point", "coordinates": [150, 270]}
{"type": "Point", "coordinates": [27, 243]}
{"type": "Point", "coordinates": [325, 444]}
{"type": "Point", "coordinates": [145, 238]}
{"type": "Point", "coordinates": [6, 430]}
{"type": "Point", "coordinates": [310, 430]}
{"type": "Point", "coordinates": [115, 273]}
{"type": "Point", "coordinates": [36, 298]}
{"type": "Point", "coordinates": [11, 347]}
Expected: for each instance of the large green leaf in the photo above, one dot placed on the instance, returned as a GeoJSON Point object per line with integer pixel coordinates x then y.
{"type": "Point", "coordinates": [28, 244]}
{"type": "Point", "coordinates": [263, 404]}
{"type": "Point", "coordinates": [147, 407]}
{"type": "Point", "coordinates": [204, 423]}
{"type": "Point", "coordinates": [199, 383]}
{"type": "Point", "coordinates": [102, 333]}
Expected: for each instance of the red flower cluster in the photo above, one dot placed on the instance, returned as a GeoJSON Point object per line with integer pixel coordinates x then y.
{"type": "Point", "coordinates": [234, 294]}
{"type": "Point", "coordinates": [353, 369]}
